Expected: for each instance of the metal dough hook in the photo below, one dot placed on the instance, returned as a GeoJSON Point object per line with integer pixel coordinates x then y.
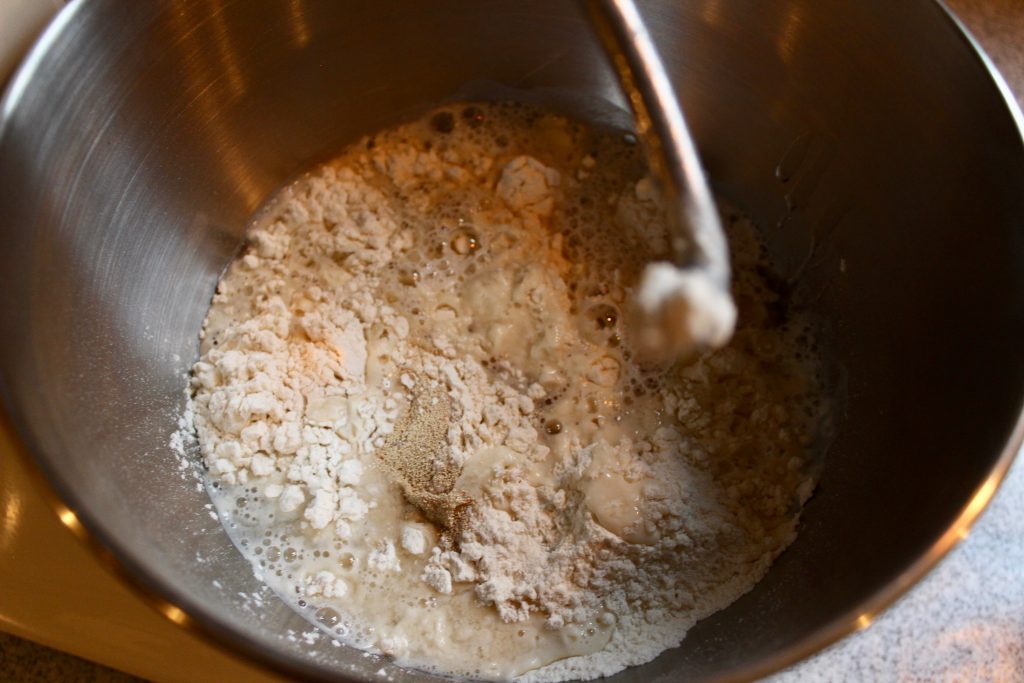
{"type": "Point", "coordinates": [685, 305]}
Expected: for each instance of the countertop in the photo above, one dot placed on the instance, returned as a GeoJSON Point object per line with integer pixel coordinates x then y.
{"type": "Point", "coordinates": [963, 622]}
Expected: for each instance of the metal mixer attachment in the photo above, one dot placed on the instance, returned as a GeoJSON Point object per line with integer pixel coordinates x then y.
{"type": "Point", "coordinates": [684, 305]}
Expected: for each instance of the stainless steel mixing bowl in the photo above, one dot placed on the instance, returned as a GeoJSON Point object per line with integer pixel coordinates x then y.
{"type": "Point", "coordinates": [870, 139]}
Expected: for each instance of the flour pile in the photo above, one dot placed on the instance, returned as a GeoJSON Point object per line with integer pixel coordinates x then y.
{"type": "Point", "coordinates": [423, 423]}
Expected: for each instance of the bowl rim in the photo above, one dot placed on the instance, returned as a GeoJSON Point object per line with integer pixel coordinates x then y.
{"type": "Point", "coordinates": [196, 619]}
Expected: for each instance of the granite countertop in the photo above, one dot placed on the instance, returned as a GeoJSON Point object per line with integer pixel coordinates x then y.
{"type": "Point", "coordinates": [963, 622]}
{"type": "Point", "coordinates": [22, 661]}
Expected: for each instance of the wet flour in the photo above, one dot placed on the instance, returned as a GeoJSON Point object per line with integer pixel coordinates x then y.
{"type": "Point", "coordinates": [423, 424]}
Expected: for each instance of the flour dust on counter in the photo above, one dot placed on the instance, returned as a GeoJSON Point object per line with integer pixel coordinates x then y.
{"type": "Point", "coordinates": [422, 421]}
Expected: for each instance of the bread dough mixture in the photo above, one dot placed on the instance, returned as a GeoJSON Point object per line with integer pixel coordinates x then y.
{"type": "Point", "coordinates": [423, 424]}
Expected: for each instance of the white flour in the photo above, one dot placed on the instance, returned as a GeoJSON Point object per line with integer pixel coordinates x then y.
{"type": "Point", "coordinates": [487, 253]}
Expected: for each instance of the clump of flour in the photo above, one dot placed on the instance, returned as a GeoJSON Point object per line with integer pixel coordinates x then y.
{"type": "Point", "coordinates": [419, 410]}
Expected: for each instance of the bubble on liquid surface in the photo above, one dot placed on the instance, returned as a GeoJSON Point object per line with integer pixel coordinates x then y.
{"type": "Point", "coordinates": [327, 616]}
